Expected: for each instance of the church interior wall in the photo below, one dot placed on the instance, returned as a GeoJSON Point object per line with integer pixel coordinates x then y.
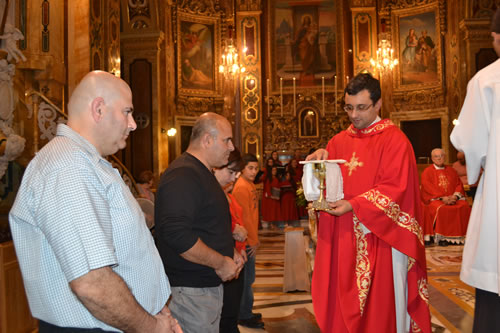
{"type": "Point", "coordinates": [65, 39]}
{"type": "Point", "coordinates": [47, 46]}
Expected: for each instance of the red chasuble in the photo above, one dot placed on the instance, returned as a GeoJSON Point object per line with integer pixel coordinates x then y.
{"type": "Point", "coordinates": [446, 220]}
{"type": "Point", "coordinates": [353, 288]}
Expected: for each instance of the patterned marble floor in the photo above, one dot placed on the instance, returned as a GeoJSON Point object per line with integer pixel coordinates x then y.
{"type": "Point", "coordinates": [451, 301]}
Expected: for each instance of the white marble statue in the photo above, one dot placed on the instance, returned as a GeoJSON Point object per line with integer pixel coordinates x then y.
{"type": "Point", "coordinates": [11, 36]}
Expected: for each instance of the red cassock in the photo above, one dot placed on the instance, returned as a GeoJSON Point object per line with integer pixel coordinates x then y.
{"type": "Point", "coordinates": [353, 289]}
{"type": "Point", "coordinates": [288, 203]}
{"type": "Point", "coordinates": [446, 220]}
{"type": "Point", "coordinates": [271, 209]}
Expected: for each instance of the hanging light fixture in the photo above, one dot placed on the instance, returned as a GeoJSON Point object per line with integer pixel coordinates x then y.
{"type": "Point", "coordinates": [230, 64]}
{"type": "Point", "coordinates": [385, 60]}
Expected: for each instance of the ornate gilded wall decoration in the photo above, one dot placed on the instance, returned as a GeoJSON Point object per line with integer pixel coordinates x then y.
{"type": "Point", "coordinates": [201, 7]}
{"type": "Point", "coordinates": [45, 24]}
{"type": "Point", "coordinates": [249, 36]}
{"type": "Point", "coordinates": [364, 37]}
{"type": "Point", "coordinates": [139, 13]}
{"type": "Point", "coordinates": [96, 35]}
{"type": "Point", "coordinates": [251, 102]}
{"type": "Point", "coordinates": [22, 24]}
{"type": "Point", "coordinates": [483, 9]}
{"type": "Point", "coordinates": [113, 37]}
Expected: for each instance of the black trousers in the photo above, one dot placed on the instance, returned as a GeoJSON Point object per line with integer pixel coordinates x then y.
{"type": "Point", "coordinates": [231, 305]}
{"type": "Point", "coordinates": [486, 312]}
{"type": "Point", "coordinates": [44, 327]}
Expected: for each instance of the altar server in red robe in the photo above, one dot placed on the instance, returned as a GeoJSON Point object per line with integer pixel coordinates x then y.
{"type": "Point", "coordinates": [370, 270]}
{"type": "Point", "coordinates": [288, 199]}
{"type": "Point", "coordinates": [446, 212]}
{"type": "Point", "coordinates": [271, 209]}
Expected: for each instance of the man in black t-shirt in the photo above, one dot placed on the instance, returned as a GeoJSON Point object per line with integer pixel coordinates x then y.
{"type": "Point", "coordinates": [193, 227]}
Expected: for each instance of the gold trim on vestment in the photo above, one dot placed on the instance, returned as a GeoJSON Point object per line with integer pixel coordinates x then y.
{"type": "Point", "coordinates": [414, 327]}
{"type": "Point", "coordinates": [411, 263]}
{"type": "Point", "coordinates": [381, 125]}
{"type": "Point", "coordinates": [393, 211]}
{"type": "Point", "coordinates": [363, 273]}
{"type": "Point", "coordinates": [422, 290]}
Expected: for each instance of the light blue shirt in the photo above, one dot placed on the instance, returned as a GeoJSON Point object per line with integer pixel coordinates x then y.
{"type": "Point", "coordinates": [73, 213]}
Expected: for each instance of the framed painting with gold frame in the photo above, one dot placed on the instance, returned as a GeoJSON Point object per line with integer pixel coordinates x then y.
{"type": "Point", "coordinates": [417, 38]}
{"type": "Point", "coordinates": [198, 54]}
{"type": "Point", "coordinates": [303, 43]}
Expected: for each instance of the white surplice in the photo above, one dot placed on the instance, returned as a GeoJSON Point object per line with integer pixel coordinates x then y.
{"type": "Point", "coordinates": [478, 135]}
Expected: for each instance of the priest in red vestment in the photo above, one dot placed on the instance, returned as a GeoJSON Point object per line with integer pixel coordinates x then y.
{"type": "Point", "coordinates": [370, 269]}
{"type": "Point", "coordinates": [446, 212]}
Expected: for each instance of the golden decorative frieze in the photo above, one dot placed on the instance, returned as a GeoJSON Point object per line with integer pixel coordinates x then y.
{"type": "Point", "coordinates": [199, 7]}
{"type": "Point", "coordinates": [194, 106]}
{"type": "Point", "coordinates": [418, 99]}
{"type": "Point", "coordinates": [363, 3]}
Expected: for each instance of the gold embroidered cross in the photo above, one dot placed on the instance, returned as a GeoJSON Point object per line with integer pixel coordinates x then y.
{"type": "Point", "coordinates": [353, 163]}
{"type": "Point", "coordinates": [443, 182]}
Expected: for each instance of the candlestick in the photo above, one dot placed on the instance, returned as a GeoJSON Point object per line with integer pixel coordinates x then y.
{"type": "Point", "coordinates": [336, 113]}
{"type": "Point", "coordinates": [268, 97]}
{"type": "Point", "coordinates": [323, 94]}
{"type": "Point", "coordinates": [281, 95]}
{"type": "Point", "coordinates": [294, 100]}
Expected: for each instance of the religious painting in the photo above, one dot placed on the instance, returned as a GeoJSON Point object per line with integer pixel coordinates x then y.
{"type": "Point", "coordinates": [198, 43]}
{"type": "Point", "coordinates": [308, 123]}
{"type": "Point", "coordinates": [184, 126]}
{"type": "Point", "coordinates": [303, 43]}
{"type": "Point", "coordinates": [418, 39]}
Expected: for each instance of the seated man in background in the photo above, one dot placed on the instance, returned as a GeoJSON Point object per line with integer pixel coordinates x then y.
{"type": "Point", "coordinates": [446, 213]}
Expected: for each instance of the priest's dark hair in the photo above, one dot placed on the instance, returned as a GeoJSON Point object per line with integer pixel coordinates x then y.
{"type": "Point", "coordinates": [364, 81]}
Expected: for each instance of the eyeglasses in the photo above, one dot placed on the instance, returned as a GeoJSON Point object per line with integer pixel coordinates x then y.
{"type": "Point", "coordinates": [359, 107]}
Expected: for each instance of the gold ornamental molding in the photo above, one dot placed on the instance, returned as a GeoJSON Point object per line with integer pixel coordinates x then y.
{"type": "Point", "coordinates": [418, 99]}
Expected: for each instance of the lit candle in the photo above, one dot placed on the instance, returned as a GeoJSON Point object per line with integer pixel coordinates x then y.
{"type": "Point", "coordinates": [323, 93]}
{"type": "Point", "coordinates": [347, 78]}
{"type": "Point", "coordinates": [268, 98]}
{"type": "Point", "coordinates": [336, 113]}
{"type": "Point", "coordinates": [294, 100]}
{"type": "Point", "coordinates": [281, 95]}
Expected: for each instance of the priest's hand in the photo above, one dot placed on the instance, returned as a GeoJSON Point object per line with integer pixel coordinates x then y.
{"type": "Point", "coordinates": [340, 207]}
{"type": "Point", "coordinates": [320, 154]}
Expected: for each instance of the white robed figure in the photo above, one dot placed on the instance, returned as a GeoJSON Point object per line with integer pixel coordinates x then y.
{"type": "Point", "coordinates": [477, 134]}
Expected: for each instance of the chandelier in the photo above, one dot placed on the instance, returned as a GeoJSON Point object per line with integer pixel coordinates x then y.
{"type": "Point", "coordinates": [385, 57]}
{"type": "Point", "coordinates": [230, 64]}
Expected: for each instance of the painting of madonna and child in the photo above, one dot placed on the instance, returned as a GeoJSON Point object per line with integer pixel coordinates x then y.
{"type": "Point", "coordinates": [419, 49]}
{"type": "Point", "coordinates": [303, 42]}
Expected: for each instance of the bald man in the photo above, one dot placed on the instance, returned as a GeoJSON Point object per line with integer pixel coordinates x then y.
{"type": "Point", "coordinates": [87, 257]}
{"type": "Point", "coordinates": [193, 227]}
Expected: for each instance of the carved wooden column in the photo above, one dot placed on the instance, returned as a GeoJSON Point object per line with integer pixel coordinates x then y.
{"type": "Point", "coordinates": [251, 85]}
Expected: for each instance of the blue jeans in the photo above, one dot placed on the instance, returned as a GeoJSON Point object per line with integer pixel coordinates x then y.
{"type": "Point", "coordinates": [247, 296]}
